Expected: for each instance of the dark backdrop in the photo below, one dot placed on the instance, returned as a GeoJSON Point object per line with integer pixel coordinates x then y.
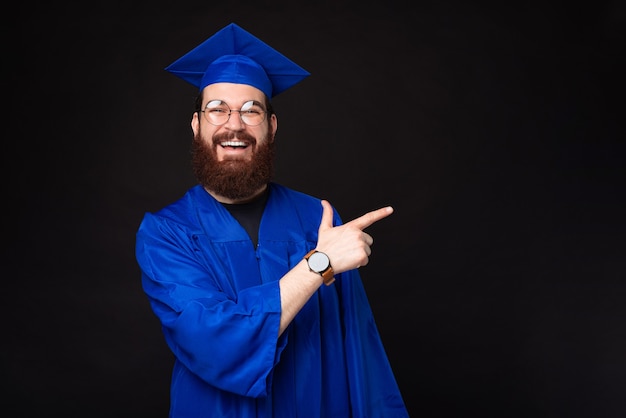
{"type": "Point", "coordinates": [496, 132]}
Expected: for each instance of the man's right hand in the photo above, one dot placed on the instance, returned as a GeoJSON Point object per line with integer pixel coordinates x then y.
{"type": "Point", "coordinates": [347, 245]}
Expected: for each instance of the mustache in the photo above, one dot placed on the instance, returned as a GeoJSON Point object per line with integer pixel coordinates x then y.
{"type": "Point", "coordinates": [229, 136]}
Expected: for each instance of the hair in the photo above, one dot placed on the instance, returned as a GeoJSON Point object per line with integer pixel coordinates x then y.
{"type": "Point", "coordinates": [197, 108]}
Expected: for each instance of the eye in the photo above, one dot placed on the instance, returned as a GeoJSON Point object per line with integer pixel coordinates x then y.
{"type": "Point", "coordinates": [216, 107]}
{"type": "Point", "coordinates": [251, 108]}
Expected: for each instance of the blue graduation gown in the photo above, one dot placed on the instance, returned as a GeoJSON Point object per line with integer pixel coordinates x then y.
{"type": "Point", "coordinates": [218, 301]}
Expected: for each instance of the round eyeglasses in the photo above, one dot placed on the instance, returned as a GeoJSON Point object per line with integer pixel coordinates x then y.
{"type": "Point", "coordinates": [217, 112]}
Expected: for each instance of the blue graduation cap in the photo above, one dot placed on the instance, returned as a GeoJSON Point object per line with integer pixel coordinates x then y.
{"type": "Point", "coordinates": [233, 55]}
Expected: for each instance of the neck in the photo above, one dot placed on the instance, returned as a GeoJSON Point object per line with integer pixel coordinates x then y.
{"type": "Point", "coordinates": [224, 199]}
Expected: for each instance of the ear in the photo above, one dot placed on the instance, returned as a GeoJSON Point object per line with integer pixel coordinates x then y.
{"type": "Point", "coordinates": [195, 123]}
{"type": "Point", "coordinates": [274, 123]}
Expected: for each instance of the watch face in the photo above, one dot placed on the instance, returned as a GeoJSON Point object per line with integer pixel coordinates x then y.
{"type": "Point", "coordinates": [319, 262]}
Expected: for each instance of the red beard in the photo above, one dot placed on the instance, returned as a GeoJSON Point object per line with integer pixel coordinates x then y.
{"type": "Point", "coordinates": [233, 179]}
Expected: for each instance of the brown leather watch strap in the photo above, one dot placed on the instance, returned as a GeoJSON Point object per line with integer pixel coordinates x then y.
{"type": "Point", "coordinates": [328, 275]}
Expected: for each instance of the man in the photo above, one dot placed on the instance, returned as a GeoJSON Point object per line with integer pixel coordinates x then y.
{"type": "Point", "coordinates": [256, 285]}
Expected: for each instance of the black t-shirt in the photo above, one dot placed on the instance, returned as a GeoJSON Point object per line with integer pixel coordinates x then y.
{"type": "Point", "coordinates": [249, 214]}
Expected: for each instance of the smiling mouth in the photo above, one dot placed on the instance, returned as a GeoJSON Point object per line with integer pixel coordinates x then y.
{"type": "Point", "coordinates": [233, 144]}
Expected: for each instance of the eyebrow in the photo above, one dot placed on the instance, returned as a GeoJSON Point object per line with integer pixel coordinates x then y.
{"type": "Point", "coordinates": [254, 102]}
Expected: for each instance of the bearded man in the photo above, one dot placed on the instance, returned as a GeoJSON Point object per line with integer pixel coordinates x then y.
{"type": "Point", "coordinates": [256, 285]}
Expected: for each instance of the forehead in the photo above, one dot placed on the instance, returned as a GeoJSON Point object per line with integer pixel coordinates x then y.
{"type": "Point", "coordinates": [231, 93]}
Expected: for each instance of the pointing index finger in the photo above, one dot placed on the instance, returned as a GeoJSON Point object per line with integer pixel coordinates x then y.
{"type": "Point", "coordinates": [369, 218]}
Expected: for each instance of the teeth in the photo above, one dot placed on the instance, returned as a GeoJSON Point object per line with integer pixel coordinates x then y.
{"type": "Point", "coordinates": [233, 144]}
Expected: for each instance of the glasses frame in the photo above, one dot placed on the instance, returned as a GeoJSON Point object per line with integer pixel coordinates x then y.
{"type": "Point", "coordinates": [230, 112]}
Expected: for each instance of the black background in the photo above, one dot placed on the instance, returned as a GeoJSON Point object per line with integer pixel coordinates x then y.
{"type": "Point", "coordinates": [495, 130]}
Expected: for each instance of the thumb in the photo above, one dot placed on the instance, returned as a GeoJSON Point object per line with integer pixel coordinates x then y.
{"type": "Point", "coordinates": [327, 216]}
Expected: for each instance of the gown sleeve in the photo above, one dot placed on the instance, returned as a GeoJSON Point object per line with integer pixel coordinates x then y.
{"type": "Point", "coordinates": [229, 340]}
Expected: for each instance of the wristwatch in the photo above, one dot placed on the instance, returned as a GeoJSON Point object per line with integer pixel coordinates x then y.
{"type": "Point", "coordinates": [320, 263]}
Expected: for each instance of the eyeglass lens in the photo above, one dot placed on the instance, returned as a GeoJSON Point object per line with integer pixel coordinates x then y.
{"type": "Point", "coordinates": [217, 112]}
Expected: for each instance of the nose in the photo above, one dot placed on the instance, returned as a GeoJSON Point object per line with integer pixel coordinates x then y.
{"type": "Point", "coordinates": [235, 122]}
